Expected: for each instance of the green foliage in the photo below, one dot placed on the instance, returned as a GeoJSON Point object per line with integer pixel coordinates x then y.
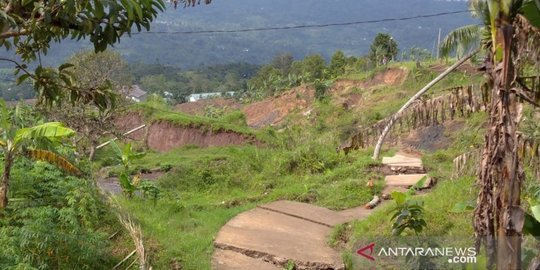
{"type": "Point", "coordinates": [283, 62]}
{"type": "Point", "coordinates": [531, 10]}
{"type": "Point", "coordinates": [383, 49]}
{"type": "Point", "coordinates": [320, 89]}
{"type": "Point", "coordinates": [129, 184]}
{"type": "Point", "coordinates": [235, 118]}
{"type": "Point", "coordinates": [312, 67]}
{"type": "Point", "coordinates": [57, 222]}
{"type": "Point", "coordinates": [93, 70]}
{"type": "Point", "coordinates": [419, 54]}
{"type": "Point", "coordinates": [150, 190]}
{"type": "Point", "coordinates": [461, 40]}
{"type": "Point", "coordinates": [338, 62]}
{"type": "Point", "coordinates": [233, 121]}
{"type": "Point", "coordinates": [158, 79]}
{"type": "Point", "coordinates": [290, 265]}
{"type": "Point", "coordinates": [105, 22]}
{"type": "Point", "coordinates": [211, 111]}
{"type": "Point", "coordinates": [408, 214]}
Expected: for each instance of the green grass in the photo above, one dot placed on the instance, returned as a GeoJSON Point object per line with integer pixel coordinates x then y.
{"type": "Point", "coordinates": [230, 122]}
{"type": "Point", "coordinates": [181, 231]}
{"type": "Point", "coordinates": [439, 204]}
{"type": "Point", "coordinates": [206, 187]}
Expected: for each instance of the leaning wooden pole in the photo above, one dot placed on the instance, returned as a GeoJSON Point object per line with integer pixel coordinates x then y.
{"type": "Point", "coordinates": [125, 134]}
{"type": "Point", "coordinates": [413, 99]}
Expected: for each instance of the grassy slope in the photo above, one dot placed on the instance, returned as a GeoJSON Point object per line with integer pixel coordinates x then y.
{"type": "Point", "coordinates": [439, 204]}
{"type": "Point", "coordinates": [156, 111]}
{"type": "Point", "coordinates": [207, 187]}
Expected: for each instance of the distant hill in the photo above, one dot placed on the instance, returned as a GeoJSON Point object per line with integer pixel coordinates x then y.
{"type": "Point", "coordinates": [188, 51]}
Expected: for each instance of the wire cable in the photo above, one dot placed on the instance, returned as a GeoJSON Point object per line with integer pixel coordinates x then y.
{"type": "Point", "coordinates": [304, 26]}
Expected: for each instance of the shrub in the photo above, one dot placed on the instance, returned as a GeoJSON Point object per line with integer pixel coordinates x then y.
{"type": "Point", "coordinates": [55, 222]}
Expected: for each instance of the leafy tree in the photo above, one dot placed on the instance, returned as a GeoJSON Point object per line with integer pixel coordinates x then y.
{"type": "Point", "coordinates": [157, 83]}
{"type": "Point", "coordinates": [41, 22]}
{"type": "Point", "coordinates": [313, 67]}
{"type": "Point", "coordinates": [383, 47]}
{"type": "Point", "coordinates": [262, 81]}
{"type": "Point", "coordinates": [16, 140]}
{"type": "Point", "coordinates": [30, 26]}
{"type": "Point", "coordinates": [232, 82]}
{"type": "Point", "coordinates": [337, 64]}
{"type": "Point", "coordinates": [92, 71]}
{"type": "Point", "coordinates": [283, 62]}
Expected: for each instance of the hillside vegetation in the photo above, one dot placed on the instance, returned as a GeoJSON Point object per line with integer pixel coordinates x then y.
{"type": "Point", "coordinates": [202, 188]}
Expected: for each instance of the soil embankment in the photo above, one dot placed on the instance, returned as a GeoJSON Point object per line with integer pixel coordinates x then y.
{"type": "Point", "coordinates": [164, 136]}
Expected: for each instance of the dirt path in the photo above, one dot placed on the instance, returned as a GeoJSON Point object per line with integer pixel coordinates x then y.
{"type": "Point", "coordinates": [274, 234]}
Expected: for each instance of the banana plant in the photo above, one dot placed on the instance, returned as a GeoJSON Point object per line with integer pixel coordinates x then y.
{"type": "Point", "coordinates": [126, 155]}
{"type": "Point", "coordinates": [17, 140]}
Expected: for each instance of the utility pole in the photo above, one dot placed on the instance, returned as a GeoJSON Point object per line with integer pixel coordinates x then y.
{"type": "Point", "coordinates": [439, 45]}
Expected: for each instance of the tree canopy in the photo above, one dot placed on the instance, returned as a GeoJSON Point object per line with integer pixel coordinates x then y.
{"type": "Point", "coordinates": [383, 47]}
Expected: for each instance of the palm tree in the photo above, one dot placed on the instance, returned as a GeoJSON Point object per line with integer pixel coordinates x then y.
{"type": "Point", "coordinates": [469, 37]}
{"type": "Point", "coordinates": [508, 33]}
{"type": "Point", "coordinates": [16, 140]}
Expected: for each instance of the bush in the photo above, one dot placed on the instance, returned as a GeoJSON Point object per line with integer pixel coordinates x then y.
{"type": "Point", "coordinates": [54, 222]}
{"type": "Point", "coordinates": [235, 118]}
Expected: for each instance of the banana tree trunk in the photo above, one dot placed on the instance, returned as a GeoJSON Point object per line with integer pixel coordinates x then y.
{"type": "Point", "coordinates": [394, 117]}
{"type": "Point", "coordinates": [4, 186]}
{"type": "Point", "coordinates": [498, 217]}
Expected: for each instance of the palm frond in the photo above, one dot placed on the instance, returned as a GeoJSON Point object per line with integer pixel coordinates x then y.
{"type": "Point", "coordinates": [465, 37]}
{"type": "Point", "coordinates": [52, 131]}
{"type": "Point", "coordinates": [55, 159]}
{"type": "Point", "coordinates": [479, 9]}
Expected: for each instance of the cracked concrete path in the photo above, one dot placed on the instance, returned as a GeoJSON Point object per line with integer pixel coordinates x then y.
{"type": "Point", "coordinates": [280, 231]}
{"type": "Point", "coordinates": [271, 235]}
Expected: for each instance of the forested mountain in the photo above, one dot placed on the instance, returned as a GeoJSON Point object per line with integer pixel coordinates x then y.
{"type": "Point", "coordinates": [188, 51]}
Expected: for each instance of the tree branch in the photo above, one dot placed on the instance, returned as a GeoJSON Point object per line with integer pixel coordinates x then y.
{"type": "Point", "coordinates": [10, 34]}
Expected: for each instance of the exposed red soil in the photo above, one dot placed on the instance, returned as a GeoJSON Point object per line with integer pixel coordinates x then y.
{"type": "Point", "coordinates": [164, 136]}
{"type": "Point", "coordinates": [273, 110]}
{"type": "Point", "coordinates": [391, 76]}
{"type": "Point", "coordinates": [129, 121]}
{"type": "Point", "coordinates": [198, 107]}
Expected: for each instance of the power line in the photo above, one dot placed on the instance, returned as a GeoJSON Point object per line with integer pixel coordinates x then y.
{"type": "Point", "coordinates": [304, 26]}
